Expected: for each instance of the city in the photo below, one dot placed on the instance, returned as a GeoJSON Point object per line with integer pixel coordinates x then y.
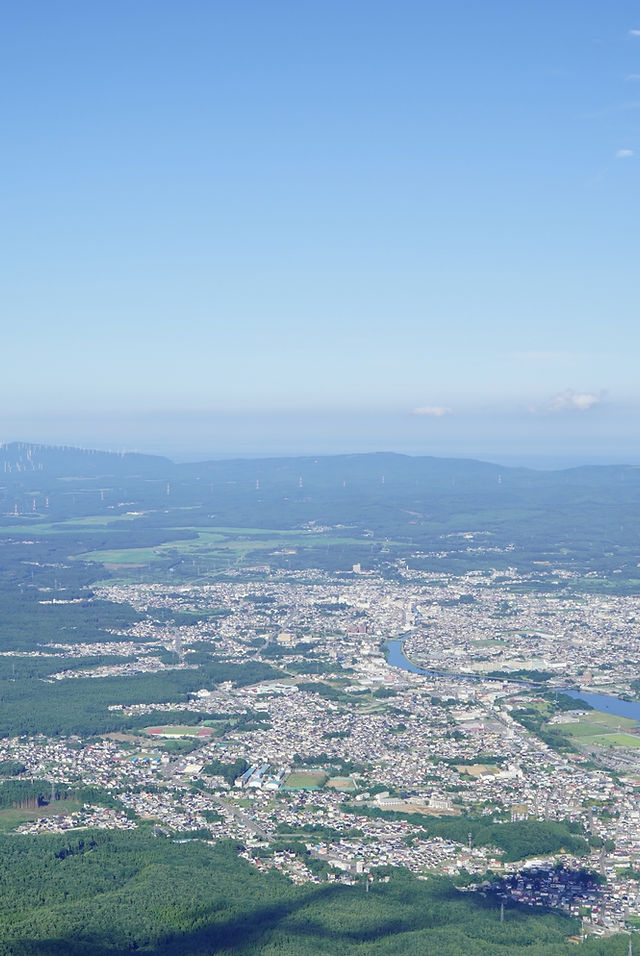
{"type": "Point", "coordinates": [345, 763]}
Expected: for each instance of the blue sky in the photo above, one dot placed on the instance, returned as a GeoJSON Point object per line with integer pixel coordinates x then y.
{"type": "Point", "coordinates": [264, 227]}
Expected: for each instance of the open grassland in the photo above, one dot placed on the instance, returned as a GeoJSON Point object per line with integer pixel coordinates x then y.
{"type": "Point", "coordinates": [230, 546]}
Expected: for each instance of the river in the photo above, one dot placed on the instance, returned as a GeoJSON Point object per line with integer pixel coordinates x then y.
{"type": "Point", "coordinates": [396, 657]}
{"type": "Point", "coordinates": [610, 705]}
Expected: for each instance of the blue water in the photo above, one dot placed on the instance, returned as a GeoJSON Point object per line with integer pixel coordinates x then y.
{"type": "Point", "coordinates": [610, 705]}
{"type": "Point", "coordinates": [395, 657]}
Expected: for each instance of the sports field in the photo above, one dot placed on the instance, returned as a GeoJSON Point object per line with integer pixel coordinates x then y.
{"type": "Point", "coordinates": [305, 780]}
{"type": "Point", "coordinates": [344, 784]}
{"type": "Point", "coordinates": [597, 729]}
{"type": "Point", "coordinates": [178, 730]}
{"type": "Point", "coordinates": [478, 769]}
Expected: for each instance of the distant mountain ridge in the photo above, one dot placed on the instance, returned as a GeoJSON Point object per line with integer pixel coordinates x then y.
{"type": "Point", "coordinates": [22, 458]}
{"type": "Point", "coordinates": [487, 513]}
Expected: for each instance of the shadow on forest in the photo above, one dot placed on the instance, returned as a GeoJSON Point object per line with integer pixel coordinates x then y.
{"type": "Point", "coordinates": [238, 934]}
{"type": "Point", "coordinates": [247, 931]}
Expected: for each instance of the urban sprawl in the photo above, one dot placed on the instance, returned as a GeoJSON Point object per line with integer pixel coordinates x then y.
{"type": "Point", "coordinates": [349, 753]}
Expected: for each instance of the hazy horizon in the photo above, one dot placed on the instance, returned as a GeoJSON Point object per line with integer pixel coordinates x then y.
{"type": "Point", "coordinates": [509, 457]}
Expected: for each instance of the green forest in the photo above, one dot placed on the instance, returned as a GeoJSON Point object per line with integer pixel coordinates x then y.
{"type": "Point", "coordinates": [81, 706]}
{"type": "Point", "coordinates": [100, 893]}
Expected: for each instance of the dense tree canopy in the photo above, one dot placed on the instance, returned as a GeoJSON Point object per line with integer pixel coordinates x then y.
{"type": "Point", "coordinates": [100, 893]}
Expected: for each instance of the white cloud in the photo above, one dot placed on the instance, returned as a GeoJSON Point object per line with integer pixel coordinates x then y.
{"type": "Point", "coordinates": [632, 77]}
{"type": "Point", "coordinates": [433, 411]}
{"type": "Point", "coordinates": [634, 33]}
{"type": "Point", "coordinates": [624, 153]}
{"type": "Point", "coordinates": [574, 401]}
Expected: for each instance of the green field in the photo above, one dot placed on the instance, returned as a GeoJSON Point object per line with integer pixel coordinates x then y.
{"type": "Point", "coordinates": [305, 780]}
{"type": "Point", "coordinates": [613, 740]}
{"type": "Point", "coordinates": [130, 556]}
{"type": "Point", "coordinates": [225, 545]}
{"type": "Point", "coordinates": [88, 523]}
{"type": "Point", "coordinates": [12, 817]}
{"type": "Point", "coordinates": [598, 729]}
{"type": "Point", "coordinates": [176, 730]}
{"type": "Point", "coordinates": [211, 549]}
